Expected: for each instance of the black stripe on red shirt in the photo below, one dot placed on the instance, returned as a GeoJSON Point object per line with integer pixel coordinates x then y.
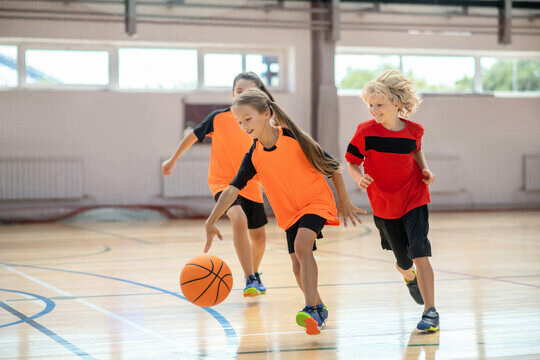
{"type": "Point", "coordinates": [389, 145]}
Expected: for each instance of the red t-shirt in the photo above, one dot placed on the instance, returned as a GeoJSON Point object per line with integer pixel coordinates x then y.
{"type": "Point", "coordinates": [388, 157]}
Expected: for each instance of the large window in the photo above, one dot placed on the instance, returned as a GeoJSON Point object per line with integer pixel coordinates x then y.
{"type": "Point", "coordinates": [163, 69]}
{"type": "Point", "coordinates": [510, 75]}
{"type": "Point", "coordinates": [220, 69]}
{"type": "Point", "coordinates": [67, 67]}
{"type": "Point", "coordinates": [8, 66]}
{"type": "Point", "coordinates": [440, 73]}
{"type": "Point", "coordinates": [354, 71]}
{"type": "Point", "coordinates": [443, 74]}
{"type": "Point", "coordinates": [267, 67]}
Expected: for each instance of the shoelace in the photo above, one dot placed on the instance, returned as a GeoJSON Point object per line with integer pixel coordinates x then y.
{"type": "Point", "coordinates": [319, 311]}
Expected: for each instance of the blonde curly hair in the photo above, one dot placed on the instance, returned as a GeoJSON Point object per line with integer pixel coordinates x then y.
{"type": "Point", "coordinates": [396, 87]}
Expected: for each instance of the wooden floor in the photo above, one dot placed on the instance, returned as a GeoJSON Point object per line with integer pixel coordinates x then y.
{"type": "Point", "coordinates": [110, 291]}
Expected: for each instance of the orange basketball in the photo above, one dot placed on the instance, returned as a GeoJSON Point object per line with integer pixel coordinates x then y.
{"type": "Point", "coordinates": [206, 280]}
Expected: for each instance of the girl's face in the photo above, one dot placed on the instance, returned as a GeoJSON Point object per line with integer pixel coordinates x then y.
{"type": "Point", "coordinates": [383, 110]}
{"type": "Point", "coordinates": [241, 86]}
{"type": "Point", "coordinates": [250, 120]}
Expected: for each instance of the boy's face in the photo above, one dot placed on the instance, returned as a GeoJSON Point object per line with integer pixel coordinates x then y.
{"type": "Point", "coordinates": [241, 86]}
{"type": "Point", "coordinates": [250, 120]}
{"type": "Point", "coordinates": [382, 109]}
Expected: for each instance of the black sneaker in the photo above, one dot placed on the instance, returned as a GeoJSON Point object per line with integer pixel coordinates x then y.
{"type": "Point", "coordinates": [414, 290]}
{"type": "Point", "coordinates": [430, 321]}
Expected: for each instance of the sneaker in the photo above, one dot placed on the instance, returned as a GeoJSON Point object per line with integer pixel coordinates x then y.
{"type": "Point", "coordinates": [323, 312]}
{"type": "Point", "coordinates": [310, 318]}
{"type": "Point", "coordinates": [252, 287]}
{"type": "Point", "coordinates": [414, 290]}
{"type": "Point", "coordinates": [261, 287]}
{"type": "Point", "coordinates": [430, 321]}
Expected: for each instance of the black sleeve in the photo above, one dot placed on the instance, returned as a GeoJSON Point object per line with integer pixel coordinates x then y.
{"type": "Point", "coordinates": [246, 172]}
{"type": "Point", "coordinates": [207, 126]}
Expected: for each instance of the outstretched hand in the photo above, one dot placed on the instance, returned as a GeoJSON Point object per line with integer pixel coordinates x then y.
{"type": "Point", "coordinates": [211, 231]}
{"type": "Point", "coordinates": [347, 210]}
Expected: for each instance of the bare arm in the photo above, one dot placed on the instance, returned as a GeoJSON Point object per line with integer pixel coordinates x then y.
{"type": "Point", "coordinates": [186, 143]}
{"type": "Point", "coordinates": [346, 208]}
{"type": "Point", "coordinates": [420, 159]}
{"type": "Point", "coordinates": [226, 199]}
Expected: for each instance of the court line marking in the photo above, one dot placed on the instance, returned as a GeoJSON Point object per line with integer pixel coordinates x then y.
{"type": "Point", "coordinates": [51, 334]}
{"type": "Point", "coordinates": [49, 306]}
{"type": "Point", "coordinates": [105, 250]}
{"type": "Point", "coordinates": [103, 232]}
{"type": "Point", "coordinates": [230, 333]}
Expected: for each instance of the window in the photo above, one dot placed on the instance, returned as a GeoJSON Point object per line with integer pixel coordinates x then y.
{"type": "Point", "coordinates": [516, 75]}
{"type": "Point", "coordinates": [220, 69]}
{"type": "Point", "coordinates": [67, 67]}
{"type": "Point", "coordinates": [8, 66]}
{"type": "Point", "coordinates": [440, 73]}
{"type": "Point", "coordinates": [267, 67]}
{"type": "Point", "coordinates": [354, 71]}
{"type": "Point", "coordinates": [166, 69]}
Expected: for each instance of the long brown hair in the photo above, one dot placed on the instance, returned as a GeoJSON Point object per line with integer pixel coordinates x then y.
{"type": "Point", "coordinates": [254, 78]}
{"type": "Point", "coordinates": [311, 149]}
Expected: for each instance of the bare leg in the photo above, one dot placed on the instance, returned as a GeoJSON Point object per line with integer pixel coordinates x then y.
{"type": "Point", "coordinates": [407, 274]}
{"type": "Point", "coordinates": [258, 245]}
{"type": "Point", "coordinates": [426, 281]}
{"type": "Point", "coordinates": [303, 247]}
{"type": "Point", "coordinates": [296, 271]}
{"type": "Point", "coordinates": [240, 238]}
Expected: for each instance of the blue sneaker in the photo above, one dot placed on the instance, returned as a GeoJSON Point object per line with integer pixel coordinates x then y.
{"type": "Point", "coordinates": [310, 318]}
{"type": "Point", "coordinates": [252, 287]}
{"type": "Point", "coordinates": [323, 312]}
{"type": "Point", "coordinates": [430, 321]}
{"type": "Point", "coordinates": [261, 287]}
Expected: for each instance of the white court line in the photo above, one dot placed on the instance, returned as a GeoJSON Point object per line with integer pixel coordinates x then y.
{"type": "Point", "coordinates": [170, 342]}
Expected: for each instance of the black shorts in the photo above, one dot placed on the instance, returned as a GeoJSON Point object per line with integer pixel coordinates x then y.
{"type": "Point", "coordinates": [406, 236]}
{"type": "Point", "coordinates": [255, 214]}
{"type": "Point", "coordinates": [312, 222]}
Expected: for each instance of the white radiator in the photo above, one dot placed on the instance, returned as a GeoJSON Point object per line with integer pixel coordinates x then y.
{"type": "Point", "coordinates": [446, 169]}
{"type": "Point", "coordinates": [532, 172]}
{"type": "Point", "coordinates": [40, 179]}
{"type": "Point", "coordinates": [189, 176]}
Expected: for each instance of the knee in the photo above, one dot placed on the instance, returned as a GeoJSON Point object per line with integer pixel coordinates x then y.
{"type": "Point", "coordinates": [238, 220]}
{"type": "Point", "coordinates": [258, 237]}
{"type": "Point", "coordinates": [404, 263]}
{"type": "Point", "coordinates": [419, 261]}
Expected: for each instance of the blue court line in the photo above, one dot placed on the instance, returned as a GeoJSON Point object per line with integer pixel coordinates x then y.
{"type": "Point", "coordinates": [49, 306]}
{"type": "Point", "coordinates": [74, 349]}
{"type": "Point", "coordinates": [232, 338]}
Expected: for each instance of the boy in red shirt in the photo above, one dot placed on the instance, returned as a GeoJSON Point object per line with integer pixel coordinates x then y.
{"type": "Point", "coordinates": [396, 177]}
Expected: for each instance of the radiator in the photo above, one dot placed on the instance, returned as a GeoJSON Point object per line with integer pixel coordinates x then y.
{"type": "Point", "coordinates": [40, 179]}
{"type": "Point", "coordinates": [446, 169]}
{"type": "Point", "coordinates": [532, 172]}
{"type": "Point", "coordinates": [188, 178]}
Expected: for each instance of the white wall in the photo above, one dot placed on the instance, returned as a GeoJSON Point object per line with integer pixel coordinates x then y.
{"type": "Point", "coordinates": [122, 136]}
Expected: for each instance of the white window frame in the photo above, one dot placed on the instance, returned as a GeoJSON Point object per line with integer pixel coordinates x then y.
{"type": "Point", "coordinates": [21, 59]}
{"type": "Point", "coordinates": [279, 53]}
{"type": "Point", "coordinates": [477, 54]}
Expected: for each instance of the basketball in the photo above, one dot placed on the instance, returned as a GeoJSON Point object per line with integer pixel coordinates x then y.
{"type": "Point", "coordinates": [206, 280]}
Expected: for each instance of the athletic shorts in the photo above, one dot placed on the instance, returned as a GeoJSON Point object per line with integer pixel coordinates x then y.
{"type": "Point", "coordinates": [406, 236]}
{"type": "Point", "coordinates": [255, 214]}
{"type": "Point", "coordinates": [312, 222]}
